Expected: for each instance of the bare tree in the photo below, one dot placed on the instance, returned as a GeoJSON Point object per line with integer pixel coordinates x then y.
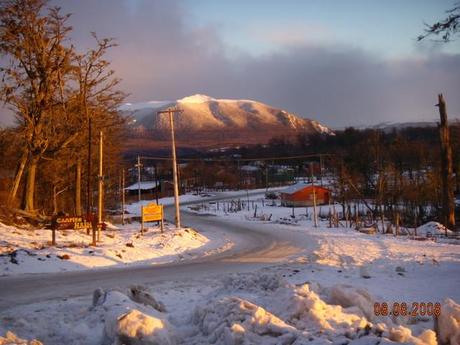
{"type": "Point", "coordinates": [446, 28]}
{"type": "Point", "coordinates": [33, 43]}
{"type": "Point", "coordinates": [448, 203]}
{"type": "Point", "coordinates": [97, 100]}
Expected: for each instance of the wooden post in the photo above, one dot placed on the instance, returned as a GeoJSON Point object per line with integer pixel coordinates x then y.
{"type": "Point", "coordinates": [88, 182]}
{"type": "Point", "coordinates": [346, 216]}
{"type": "Point", "coordinates": [321, 169]}
{"type": "Point", "coordinates": [174, 162]}
{"type": "Point", "coordinates": [53, 236]}
{"type": "Point", "coordinates": [94, 228]}
{"type": "Point", "coordinates": [142, 219]}
{"type": "Point", "coordinates": [100, 189]}
{"type": "Point", "coordinates": [334, 215]}
{"type": "Point", "coordinates": [247, 195]}
{"type": "Point", "coordinates": [397, 224]}
{"type": "Point", "coordinates": [382, 215]}
{"type": "Point", "coordinates": [78, 188]}
{"type": "Point", "coordinates": [266, 177]}
{"type": "Point", "coordinates": [138, 166]}
{"type": "Point", "coordinates": [448, 203]}
{"type": "Point", "coordinates": [157, 183]}
{"type": "Point", "coordinates": [315, 216]}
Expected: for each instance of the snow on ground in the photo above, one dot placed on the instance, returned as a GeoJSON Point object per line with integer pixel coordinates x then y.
{"type": "Point", "coordinates": [29, 250]}
{"type": "Point", "coordinates": [324, 294]}
{"type": "Point", "coordinates": [400, 267]}
{"type": "Point", "coordinates": [134, 208]}
{"type": "Point", "coordinates": [250, 308]}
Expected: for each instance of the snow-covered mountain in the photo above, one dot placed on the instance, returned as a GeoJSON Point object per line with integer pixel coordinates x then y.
{"type": "Point", "coordinates": [205, 117]}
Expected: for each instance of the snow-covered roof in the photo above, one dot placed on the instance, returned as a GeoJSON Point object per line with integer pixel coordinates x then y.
{"type": "Point", "coordinates": [249, 168]}
{"type": "Point", "coordinates": [144, 185]}
{"type": "Point", "coordinates": [296, 187]}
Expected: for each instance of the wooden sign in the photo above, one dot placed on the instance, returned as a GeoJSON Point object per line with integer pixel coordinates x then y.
{"type": "Point", "coordinates": [67, 223]}
{"type": "Point", "coordinates": [151, 213]}
{"type": "Point", "coordinates": [71, 223]}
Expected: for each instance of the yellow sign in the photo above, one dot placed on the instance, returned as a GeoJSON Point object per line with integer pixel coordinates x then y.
{"type": "Point", "coordinates": [151, 213]}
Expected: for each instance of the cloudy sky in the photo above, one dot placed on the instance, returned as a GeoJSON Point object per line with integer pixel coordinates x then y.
{"type": "Point", "coordinates": [340, 62]}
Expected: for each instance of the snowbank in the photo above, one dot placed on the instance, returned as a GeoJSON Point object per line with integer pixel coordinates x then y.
{"type": "Point", "coordinates": [29, 250]}
{"type": "Point", "coordinates": [233, 320]}
{"type": "Point", "coordinates": [12, 339]}
{"type": "Point", "coordinates": [449, 323]}
{"type": "Point", "coordinates": [128, 322]}
{"type": "Point", "coordinates": [433, 228]}
{"type": "Point", "coordinates": [278, 312]}
{"type": "Point", "coordinates": [304, 308]}
{"type": "Point", "coordinates": [348, 297]}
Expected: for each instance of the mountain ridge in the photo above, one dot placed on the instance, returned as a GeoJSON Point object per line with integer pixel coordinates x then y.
{"type": "Point", "coordinates": [210, 119]}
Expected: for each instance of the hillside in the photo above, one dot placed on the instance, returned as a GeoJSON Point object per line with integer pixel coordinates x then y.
{"type": "Point", "coordinates": [206, 121]}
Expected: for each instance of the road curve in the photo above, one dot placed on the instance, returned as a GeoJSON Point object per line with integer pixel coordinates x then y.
{"type": "Point", "coordinates": [255, 249]}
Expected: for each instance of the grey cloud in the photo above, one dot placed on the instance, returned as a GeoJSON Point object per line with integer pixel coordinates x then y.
{"type": "Point", "coordinates": [161, 56]}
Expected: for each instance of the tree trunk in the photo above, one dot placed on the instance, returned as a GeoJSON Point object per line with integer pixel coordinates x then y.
{"type": "Point", "coordinates": [55, 205]}
{"type": "Point", "coordinates": [448, 203]}
{"type": "Point", "coordinates": [30, 186]}
{"type": "Point", "coordinates": [78, 189]}
{"type": "Point", "coordinates": [17, 179]}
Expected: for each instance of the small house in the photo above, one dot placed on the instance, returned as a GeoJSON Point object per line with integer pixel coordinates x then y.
{"type": "Point", "coordinates": [301, 194]}
{"type": "Point", "coordinates": [146, 187]}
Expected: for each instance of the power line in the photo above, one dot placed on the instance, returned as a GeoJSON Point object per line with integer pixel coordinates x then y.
{"type": "Point", "coordinates": [278, 158]}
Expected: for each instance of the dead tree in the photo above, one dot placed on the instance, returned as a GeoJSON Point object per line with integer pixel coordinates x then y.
{"type": "Point", "coordinates": [448, 204]}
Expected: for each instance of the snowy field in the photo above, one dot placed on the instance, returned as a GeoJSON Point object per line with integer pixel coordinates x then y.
{"type": "Point", "coordinates": [322, 291]}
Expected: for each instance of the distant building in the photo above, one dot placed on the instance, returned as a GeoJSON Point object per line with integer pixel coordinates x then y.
{"type": "Point", "coordinates": [146, 187]}
{"type": "Point", "coordinates": [301, 194]}
{"type": "Point", "coordinates": [149, 189]}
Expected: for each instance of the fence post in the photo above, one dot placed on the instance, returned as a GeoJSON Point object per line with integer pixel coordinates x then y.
{"type": "Point", "coordinates": [53, 236]}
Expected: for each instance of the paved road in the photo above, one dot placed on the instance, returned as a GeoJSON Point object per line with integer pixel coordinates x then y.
{"type": "Point", "coordinates": [256, 248]}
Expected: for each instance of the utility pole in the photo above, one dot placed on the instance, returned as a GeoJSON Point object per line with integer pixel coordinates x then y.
{"type": "Point", "coordinates": [100, 190]}
{"type": "Point", "coordinates": [123, 197]}
{"type": "Point", "coordinates": [138, 166]}
{"type": "Point", "coordinates": [170, 112]}
{"type": "Point", "coordinates": [157, 184]}
{"type": "Point", "coordinates": [88, 182]}
{"type": "Point", "coordinates": [266, 177]}
{"type": "Point", "coordinates": [321, 168]}
{"type": "Point", "coordinates": [315, 216]}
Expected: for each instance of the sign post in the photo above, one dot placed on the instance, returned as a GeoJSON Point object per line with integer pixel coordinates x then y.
{"type": "Point", "coordinates": [67, 223]}
{"type": "Point", "coordinates": [151, 213]}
